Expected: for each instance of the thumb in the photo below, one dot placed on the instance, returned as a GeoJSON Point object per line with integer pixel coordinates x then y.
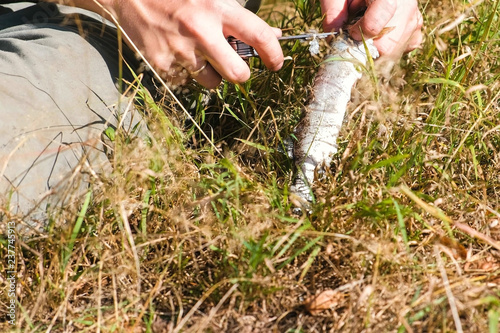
{"type": "Point", "coordinates": [376, 17]}
{"type": "Point", "coordinates": [336, 13]}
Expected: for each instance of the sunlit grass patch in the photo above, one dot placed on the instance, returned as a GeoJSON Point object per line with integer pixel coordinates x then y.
{"type": "Point", "coordinates": [194, 232]}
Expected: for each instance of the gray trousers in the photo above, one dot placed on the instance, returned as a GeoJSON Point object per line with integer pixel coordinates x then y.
{"type": "Point", "coordinates": [58, 93]}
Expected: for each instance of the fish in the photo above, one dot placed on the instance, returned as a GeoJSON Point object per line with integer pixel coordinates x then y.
{"type": "Point", "coordinates": [323, 116]}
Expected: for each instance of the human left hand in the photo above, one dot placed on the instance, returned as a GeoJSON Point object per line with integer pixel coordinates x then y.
{"type": "Point", "coordinates": [401, 15]}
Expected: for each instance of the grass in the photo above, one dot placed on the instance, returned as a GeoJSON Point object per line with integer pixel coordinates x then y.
{"type": "Point", "coordinates": [190, 235]}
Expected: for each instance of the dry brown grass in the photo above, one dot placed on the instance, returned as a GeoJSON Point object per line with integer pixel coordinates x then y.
{"type": "Point", "coordinates": [406, 229]}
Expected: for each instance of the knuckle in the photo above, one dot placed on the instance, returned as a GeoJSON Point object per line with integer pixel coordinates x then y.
{"type": "Point", "coordinates": [193, 27]}
{"type": "Point", "coordinates": [160, 61]}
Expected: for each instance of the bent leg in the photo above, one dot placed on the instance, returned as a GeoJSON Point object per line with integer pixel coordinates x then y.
{"type": "Point", "coordinates": [58, 95]}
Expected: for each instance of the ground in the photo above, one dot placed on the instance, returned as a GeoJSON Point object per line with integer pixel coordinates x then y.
{"type": "Point", "coordinates": [193, 231]}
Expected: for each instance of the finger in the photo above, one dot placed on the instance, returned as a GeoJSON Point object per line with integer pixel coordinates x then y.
{"type": "Point", "coordinates": [394, 42]}
{"type": "Point", "coordinates": [277, 32]}
{"type": "Point", "coordinates": [253, 31]}
{"type": "Point", "coordinates": [416, 38]}
{"type": "Point", "coordinates": [336, 13]}
{"type": "Point", "coordinates": [176, 69]}
{"type": "Point", "coordinates": [224, 60]}
{"type": "Point", "coordinates": [200, 70]}
{"type": "Point", "coordinates": [398, 41]}
{"type": "Point", "coordinates": [376, 17]}
{"type": "Point", "coordinates": [208, 77]}
{"type": "Point", "coordinates": [415, 41]}
{"type": "Point", "coordinates": [389, 45]}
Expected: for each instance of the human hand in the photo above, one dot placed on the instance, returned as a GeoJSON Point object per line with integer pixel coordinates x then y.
{"type": "Point", "coordinates": [403, 15]}
{"type": "Point", "coordinates": [188, 37]}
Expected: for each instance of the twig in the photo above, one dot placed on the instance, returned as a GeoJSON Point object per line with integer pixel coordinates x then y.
{"type": "Point", "coordinates": [476, 234]}
{"type": "Point", "coordinates": [99, 297]}
{"type": "Point", "coordinates": [130, 238]}
{"type": "Point", "coordinates": [449, 294]}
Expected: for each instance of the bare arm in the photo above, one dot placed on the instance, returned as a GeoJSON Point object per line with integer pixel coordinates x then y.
{"type": "Point", "coordinates": [190, 34]}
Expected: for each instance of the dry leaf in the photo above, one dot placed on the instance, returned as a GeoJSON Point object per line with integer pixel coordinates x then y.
{"type": "Point", "coordinates": [384, 32]}
{"type": "Point", "coordinates": [325, 300]}
{"type": "Point", "coordinates": [458, 250]}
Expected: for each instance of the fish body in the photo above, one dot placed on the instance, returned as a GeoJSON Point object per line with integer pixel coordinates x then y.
{"type": "Point", "coordinates": [319, 129]}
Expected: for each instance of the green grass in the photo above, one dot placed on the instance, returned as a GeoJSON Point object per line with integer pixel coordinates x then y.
{"type": "Point", "coordinates": [191, 235]}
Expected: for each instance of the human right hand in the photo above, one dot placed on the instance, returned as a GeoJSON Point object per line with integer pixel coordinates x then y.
{"type": "Point", "coordinates": [191, 34]}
